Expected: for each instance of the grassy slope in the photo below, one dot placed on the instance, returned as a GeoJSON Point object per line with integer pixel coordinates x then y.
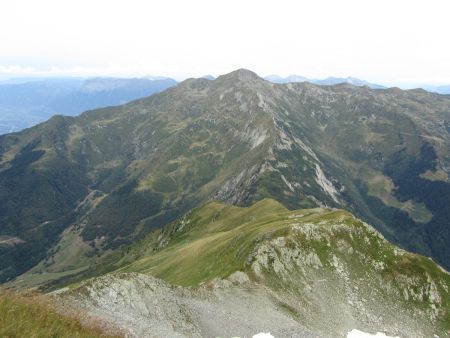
{"type": "Point", "coordinates": [213, 242]}
{"type": "Point", "coordinates": [181, 152]}
{"type": "Point", "coordinates": [292, 252]}
{"type": "Point", "coordinates": [315, 263]}
{"type": "Point", "coordinates": [217, 239]}
{"type": "Point", "coordinates": [33, 317]}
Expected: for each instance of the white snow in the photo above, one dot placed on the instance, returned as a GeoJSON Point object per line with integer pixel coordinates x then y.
{"type": "Point", "coordinates": [263, 335]}
{"type": "Point", "coordinates": [360, 334]}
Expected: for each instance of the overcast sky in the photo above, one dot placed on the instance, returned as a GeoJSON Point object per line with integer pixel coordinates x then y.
{"type": "Point", "coordinates": [393, 41]}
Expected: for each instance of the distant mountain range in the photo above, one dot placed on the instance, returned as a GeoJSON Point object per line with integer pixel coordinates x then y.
{"type": "Point", "coordinates": [208, 77]}
{"type": "Point", "coordinates": [438, 89]}
{"type": "Point", "coordinates": [28, 101]}
{"type": "Point", "coordinates": [329, 81]}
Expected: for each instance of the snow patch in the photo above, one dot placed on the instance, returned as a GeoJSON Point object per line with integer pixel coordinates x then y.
{"type": "Point", "coordinates": [360, 334]}
{"type": "Point", "coordinates": [263, 335]}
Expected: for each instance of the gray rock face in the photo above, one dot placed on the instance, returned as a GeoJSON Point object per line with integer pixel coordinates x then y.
{"type": "Point", "coordinates": [329, 295]}
{"type": "Point", "coordinates": [143, 306]}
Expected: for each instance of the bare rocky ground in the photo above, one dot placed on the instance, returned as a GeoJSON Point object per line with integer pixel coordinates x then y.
{"type": "Point", "coordinates": [144, 306]}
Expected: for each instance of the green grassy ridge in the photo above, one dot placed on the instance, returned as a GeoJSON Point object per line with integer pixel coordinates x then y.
{"type": "Point", "coordinates": [216, 240]}
{"type": "Point", "coordinates": [33, 317]}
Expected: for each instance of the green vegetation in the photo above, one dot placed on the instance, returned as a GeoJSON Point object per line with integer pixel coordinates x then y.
{"type": "Point", "coordinates": [113, 175]}
{"type": "Point", "coordinates": [303, 257]}
{"type": "Point", "coordinates": [438, 175]}
{"type": "Point", "coordinates": [214, 241]}
{"type": "Point", "coordinates": [33, 317]}
{"type": "Point", "coordinates": [217, 239]}
{"type": "Point", "coordinates": [383, 188]}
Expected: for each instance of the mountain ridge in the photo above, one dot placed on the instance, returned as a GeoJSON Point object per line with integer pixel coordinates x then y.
{"type": "Point", "coordinates": [329, 81]}
{"type": "Point", "coordinates": [239, 139]}
{"type": "Point", "coordinates": [319, 272]}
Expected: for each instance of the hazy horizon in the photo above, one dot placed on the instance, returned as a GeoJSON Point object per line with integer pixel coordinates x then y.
{"type": "Point", "coordinates": [398, 43]}
{"type": "Point", "coordinates": [36, 77]}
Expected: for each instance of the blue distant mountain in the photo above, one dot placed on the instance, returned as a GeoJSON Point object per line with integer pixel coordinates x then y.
{"type": "Point", "coordinates": [25, 102]}
{"type": "Point", "coordinates": [329, 81]}
{"type": "Point", "coordinates": [438, 89]}
{"type": "Point", "coordinates": [291, 78]}
{"type": "Point", "coordinates": [208, 77]}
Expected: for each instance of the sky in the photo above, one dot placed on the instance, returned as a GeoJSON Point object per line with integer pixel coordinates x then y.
{"type": "Point", "coordinates": [389, 42]}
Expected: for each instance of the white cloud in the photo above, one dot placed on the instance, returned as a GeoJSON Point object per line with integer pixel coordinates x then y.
{"type": "Point", "coordinates": [377, 40]}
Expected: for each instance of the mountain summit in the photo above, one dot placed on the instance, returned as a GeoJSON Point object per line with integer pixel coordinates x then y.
{"type": "Point", "coordinates": [76, 189]}
{"type": "Point", "coordinates": [240, 75]}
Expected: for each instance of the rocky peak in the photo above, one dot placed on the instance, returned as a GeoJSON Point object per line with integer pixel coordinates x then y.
{"type": "Point", "coordinates": [242, 74]}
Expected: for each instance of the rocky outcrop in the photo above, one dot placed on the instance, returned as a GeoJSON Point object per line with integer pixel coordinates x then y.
{"type": "Point", "coordinates": [143, 306]}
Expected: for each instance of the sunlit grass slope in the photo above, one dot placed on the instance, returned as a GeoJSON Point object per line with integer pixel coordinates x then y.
{"type": "Point", "coordinates": [33, 317]}
{"type": "Point", "coordinates": [218, 239]}
{"type": "Point", "coordinates": [212, 241]}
